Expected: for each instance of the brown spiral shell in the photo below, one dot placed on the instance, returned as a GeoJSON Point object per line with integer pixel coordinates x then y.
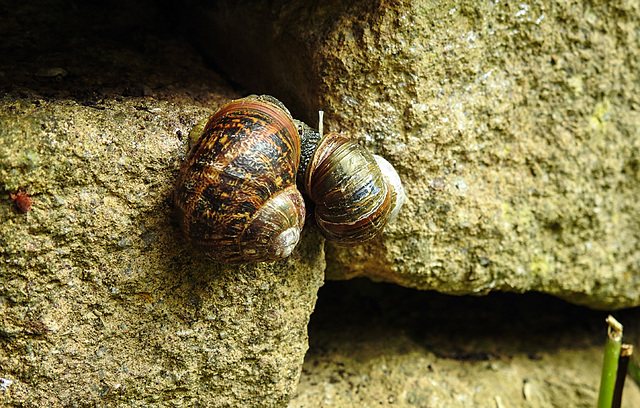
{"type": "Point", "coordinates": [236, 196]}
{"type": "Point", "coordinates": [353, 199]}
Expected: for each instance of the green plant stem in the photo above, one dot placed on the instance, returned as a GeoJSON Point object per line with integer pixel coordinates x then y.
{"type": "Point", "coordinates": [610, 363]}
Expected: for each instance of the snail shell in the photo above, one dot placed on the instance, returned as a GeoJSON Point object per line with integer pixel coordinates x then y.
{"type": "Point", "coordinates": [356, 193]}
{"type": "Point", "coordinates": [236, 195]}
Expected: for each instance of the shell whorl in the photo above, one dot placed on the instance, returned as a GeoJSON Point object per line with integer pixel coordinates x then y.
{"type": "Point", "coordinates": [354, 197]}
{"type": "Point", "coordinates": [392, 178]}
{"type": "Point", "coordinates": [236, 195]}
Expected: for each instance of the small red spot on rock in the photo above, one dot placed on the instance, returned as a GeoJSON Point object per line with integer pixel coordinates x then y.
{"type": "Point", "coordinates": [23, 201]}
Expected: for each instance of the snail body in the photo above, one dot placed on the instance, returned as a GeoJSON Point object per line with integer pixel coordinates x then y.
{"type": "Point", "coordinates": [236, 194]}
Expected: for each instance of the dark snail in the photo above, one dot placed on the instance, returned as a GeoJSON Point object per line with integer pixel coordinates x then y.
{"type": "Point", "coordinates": [236, 195]}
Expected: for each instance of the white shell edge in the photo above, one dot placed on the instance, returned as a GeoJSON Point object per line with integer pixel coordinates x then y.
{"type": "Point", "coordinates": [393, 179]}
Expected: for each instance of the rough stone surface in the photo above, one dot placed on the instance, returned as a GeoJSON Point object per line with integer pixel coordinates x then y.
{"type": "Point", "coordinates": [102, 302]}
{"type": "Point", "coordinates": [514, 127]}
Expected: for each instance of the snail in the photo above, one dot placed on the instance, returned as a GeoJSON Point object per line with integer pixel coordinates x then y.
{"type": "Point", "coordinates": [356, 193]}
{"type": "Point", "coordinates": [236, 194]}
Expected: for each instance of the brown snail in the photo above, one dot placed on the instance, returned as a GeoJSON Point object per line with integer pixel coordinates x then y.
{"type": "Point", "coordinates": [236, 195]}
{"type": "Point", "coordinates": [356, 193]}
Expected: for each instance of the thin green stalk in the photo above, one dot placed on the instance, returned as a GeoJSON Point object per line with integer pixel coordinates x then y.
{"type": "Point", "coordinates": [610, 363]}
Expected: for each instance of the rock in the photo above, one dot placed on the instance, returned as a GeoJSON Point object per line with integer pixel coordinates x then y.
{"type": "Point", "coordinates": [102, 302]}
{"type": "Point", "coordinates": [99, 287]}
{"type": "Point", "coordinates": [513, 127]}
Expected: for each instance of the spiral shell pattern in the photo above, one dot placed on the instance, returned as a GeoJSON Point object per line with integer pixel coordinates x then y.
{"type": "Point", "coordinates": [353, 200]}
{"type": "Point", "coordinates": [236, 194]}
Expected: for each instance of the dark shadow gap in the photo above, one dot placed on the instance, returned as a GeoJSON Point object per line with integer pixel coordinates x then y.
{"type": "Point", "coordinates": [495, 326]}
